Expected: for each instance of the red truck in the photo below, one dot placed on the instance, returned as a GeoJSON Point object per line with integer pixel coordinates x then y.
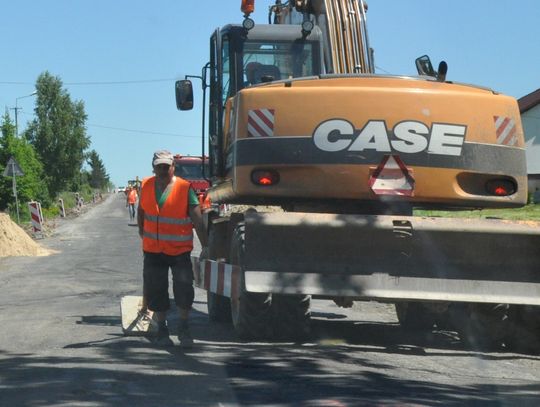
{"type": "Point", "coordinates": [191, 169]}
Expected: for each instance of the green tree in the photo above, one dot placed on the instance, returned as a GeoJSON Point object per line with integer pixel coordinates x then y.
{"type": "Point", "coordinates": [58, 133]}
{"type": "Point", "coordinates": [99, 179]}
{"type": "Point", "coordinates": [80, 181]}
{"type": "Point", "coordinates": [30, 186]}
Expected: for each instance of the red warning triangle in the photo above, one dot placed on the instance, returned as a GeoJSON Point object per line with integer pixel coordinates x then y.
{"type": "Point", "coordinates": [392, 177]}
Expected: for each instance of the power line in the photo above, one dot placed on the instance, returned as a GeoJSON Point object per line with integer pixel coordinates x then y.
{"type": "Point", "coordinates": [97, 82]}
{"type": "Point", "coordinates": [381, 69]}
{"type": "Point", "coordinates": [141, 131]}
{"type": "Point", "coordinates": [16, 83]}
{"type": "Point", "coordinates": [121, 82]}
{"type": "Point", "coordinates": [157, 133]}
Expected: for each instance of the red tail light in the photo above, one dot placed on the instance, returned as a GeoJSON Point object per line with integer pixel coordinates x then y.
{"type": "Point", "coordinates": [248, 6]}
{"type": "Point", "coordinates": [265, 177]}
{"type": "Point", "coordinates": [500, 187]}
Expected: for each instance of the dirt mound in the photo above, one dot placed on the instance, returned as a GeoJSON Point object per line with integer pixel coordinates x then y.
{"type": "Point", "coordinates": [15, 242]}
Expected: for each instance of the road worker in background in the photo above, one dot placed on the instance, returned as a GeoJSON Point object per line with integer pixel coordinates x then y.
{"type": "Point", "coordinates": [131, 201]}
{"type": "Point", "coordinates": [168, 211]}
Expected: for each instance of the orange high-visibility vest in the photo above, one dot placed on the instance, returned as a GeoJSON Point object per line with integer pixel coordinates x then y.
{"type": "Point", "coordinates": [167, 229]}
{"type": "Point", "coordinates": [132, 197]}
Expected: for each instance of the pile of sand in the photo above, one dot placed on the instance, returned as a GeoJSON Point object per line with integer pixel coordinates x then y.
{"type": "Point", "coordinates": [14, 241]}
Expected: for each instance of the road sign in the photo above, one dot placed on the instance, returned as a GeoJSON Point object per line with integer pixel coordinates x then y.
{"type": "Point", "coordinates": [392, 177]}
{"type": "Point", "coordinates": [13, 168]}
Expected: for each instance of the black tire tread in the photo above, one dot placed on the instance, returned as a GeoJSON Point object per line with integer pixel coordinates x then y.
{"type": "Point", "coordinates": [291, 317]}
{"type": "Point", "coordinates": [414, 316]}
{"type": "Point", "coordinates": [219, 307]}
{"type": "Point", "coordinates": [254, 309]}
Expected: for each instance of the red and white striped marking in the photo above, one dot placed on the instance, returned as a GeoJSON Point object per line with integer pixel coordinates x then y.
{"type": "Point", "coordinates": [62, 208]}
{"type": "Point", "coordinates": [261, 123]}
{"type": "Point", "coordinates": [36, 216]}
{"type": "Point", "coordinates": [217, 277]}
{"type": "Point", "coordinates": [505, 128]}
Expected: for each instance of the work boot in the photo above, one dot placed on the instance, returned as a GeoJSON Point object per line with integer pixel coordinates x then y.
{"type": "Point", "coordinates": [184, 334]}
{"type": "Point", "coordinates": [162, 338]}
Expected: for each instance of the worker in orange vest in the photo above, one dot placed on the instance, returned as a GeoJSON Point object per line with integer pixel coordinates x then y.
{"type": "Point", "coordinates": [131, 201]}
{"type": "Point", "coordinates": [168, 211]}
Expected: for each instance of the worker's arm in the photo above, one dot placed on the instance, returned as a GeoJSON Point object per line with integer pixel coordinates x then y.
{"type": "Point", "coordinates": [197, 220]}
{"type": "Point", "coordinates": [140, 220]}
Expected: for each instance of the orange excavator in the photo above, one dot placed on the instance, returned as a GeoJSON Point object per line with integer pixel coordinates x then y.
{"type": "Point", "coordinates": [323, 161]}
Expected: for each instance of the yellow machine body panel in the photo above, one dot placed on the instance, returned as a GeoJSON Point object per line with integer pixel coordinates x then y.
{"type": "Point", "coordinates": [329, 138]}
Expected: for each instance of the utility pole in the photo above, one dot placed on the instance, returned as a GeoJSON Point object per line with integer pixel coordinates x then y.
{"type": "Point", "coordinates": [16, 109]}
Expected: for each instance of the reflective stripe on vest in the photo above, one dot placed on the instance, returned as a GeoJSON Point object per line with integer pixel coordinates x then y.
{"type": "Point", "coordinates": [170, 238]}
{"type": "Point", "coordinates": [170, 221]}
{"type": "Point", "coordinates": [167, 229]}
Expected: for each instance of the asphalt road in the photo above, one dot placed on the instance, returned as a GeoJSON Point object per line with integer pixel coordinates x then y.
{"type": "Point", "coordinates": [61, 343]}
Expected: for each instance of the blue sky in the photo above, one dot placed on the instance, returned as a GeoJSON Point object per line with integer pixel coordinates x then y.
{"type": "Point", "coordinates": [493, 43]}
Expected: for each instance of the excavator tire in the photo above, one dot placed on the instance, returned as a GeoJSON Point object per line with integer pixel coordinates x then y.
{"type": "Point", "coordinates": [219, 307]}
{"type": "Point", "coordinates": [482, 326]}
{"type": "Point", "coordinates": [251, 314]}
{"type": "Point", "coordinates": [414, 316]}
{"type": "Point", "coordinates": [291, 317]}
{"type": "Point", "coordinates": [524, 334]}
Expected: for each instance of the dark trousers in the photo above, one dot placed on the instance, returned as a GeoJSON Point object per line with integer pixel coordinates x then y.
{"type": "Point", "coordinates": [156, 280]}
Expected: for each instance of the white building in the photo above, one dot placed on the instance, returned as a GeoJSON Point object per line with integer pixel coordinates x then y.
{"type": "Point", "coordinates": [529, 106]}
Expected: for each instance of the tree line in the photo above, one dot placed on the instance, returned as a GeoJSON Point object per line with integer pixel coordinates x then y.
{"type": "Point", "coordinates": [51, 151]}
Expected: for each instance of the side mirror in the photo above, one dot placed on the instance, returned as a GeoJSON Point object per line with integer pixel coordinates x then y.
{"type": "Point", "coordinates": [184, 95]}
{"type": "Point", "coordinates": [424, 66]}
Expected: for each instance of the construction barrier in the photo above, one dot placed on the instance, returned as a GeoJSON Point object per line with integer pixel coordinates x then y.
{"type": "Point", "coordinates": [78, 201]}
{"type": "Point", "coordinates": [36, 217]}
{"type": "Point", "coordinates": [62, 208]}
{"type": "Point", "coordinates": [40, 212]}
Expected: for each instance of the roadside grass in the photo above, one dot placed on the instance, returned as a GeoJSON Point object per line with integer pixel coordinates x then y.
{"type": "Point", "coordinates": [528, 212]}
{"type": "Point", "coordinates": [54, 210]}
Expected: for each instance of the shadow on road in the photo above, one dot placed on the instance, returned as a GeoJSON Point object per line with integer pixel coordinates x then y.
{"type": "Point", "coordinates": [392, 338]}
{"type": "Point", "coordinates": [332, 329]}
{"type": "Point", "coordinates": [130, 371]}
{"type": "Point", "coordinates": [336, 367]}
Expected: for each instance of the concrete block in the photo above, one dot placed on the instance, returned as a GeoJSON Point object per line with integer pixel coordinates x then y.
{"type": "Point", "coordinates": [135, 322]}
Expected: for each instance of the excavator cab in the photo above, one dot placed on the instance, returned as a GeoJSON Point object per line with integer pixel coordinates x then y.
{"type": "Point", "coordinates": [256, 72]}
{"type": "Point", "coordinates": [266, 53]}
{"type": "Point", "coordinates": [266, 59]}
{"type": "Point", "coordinates": [241, 59]}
